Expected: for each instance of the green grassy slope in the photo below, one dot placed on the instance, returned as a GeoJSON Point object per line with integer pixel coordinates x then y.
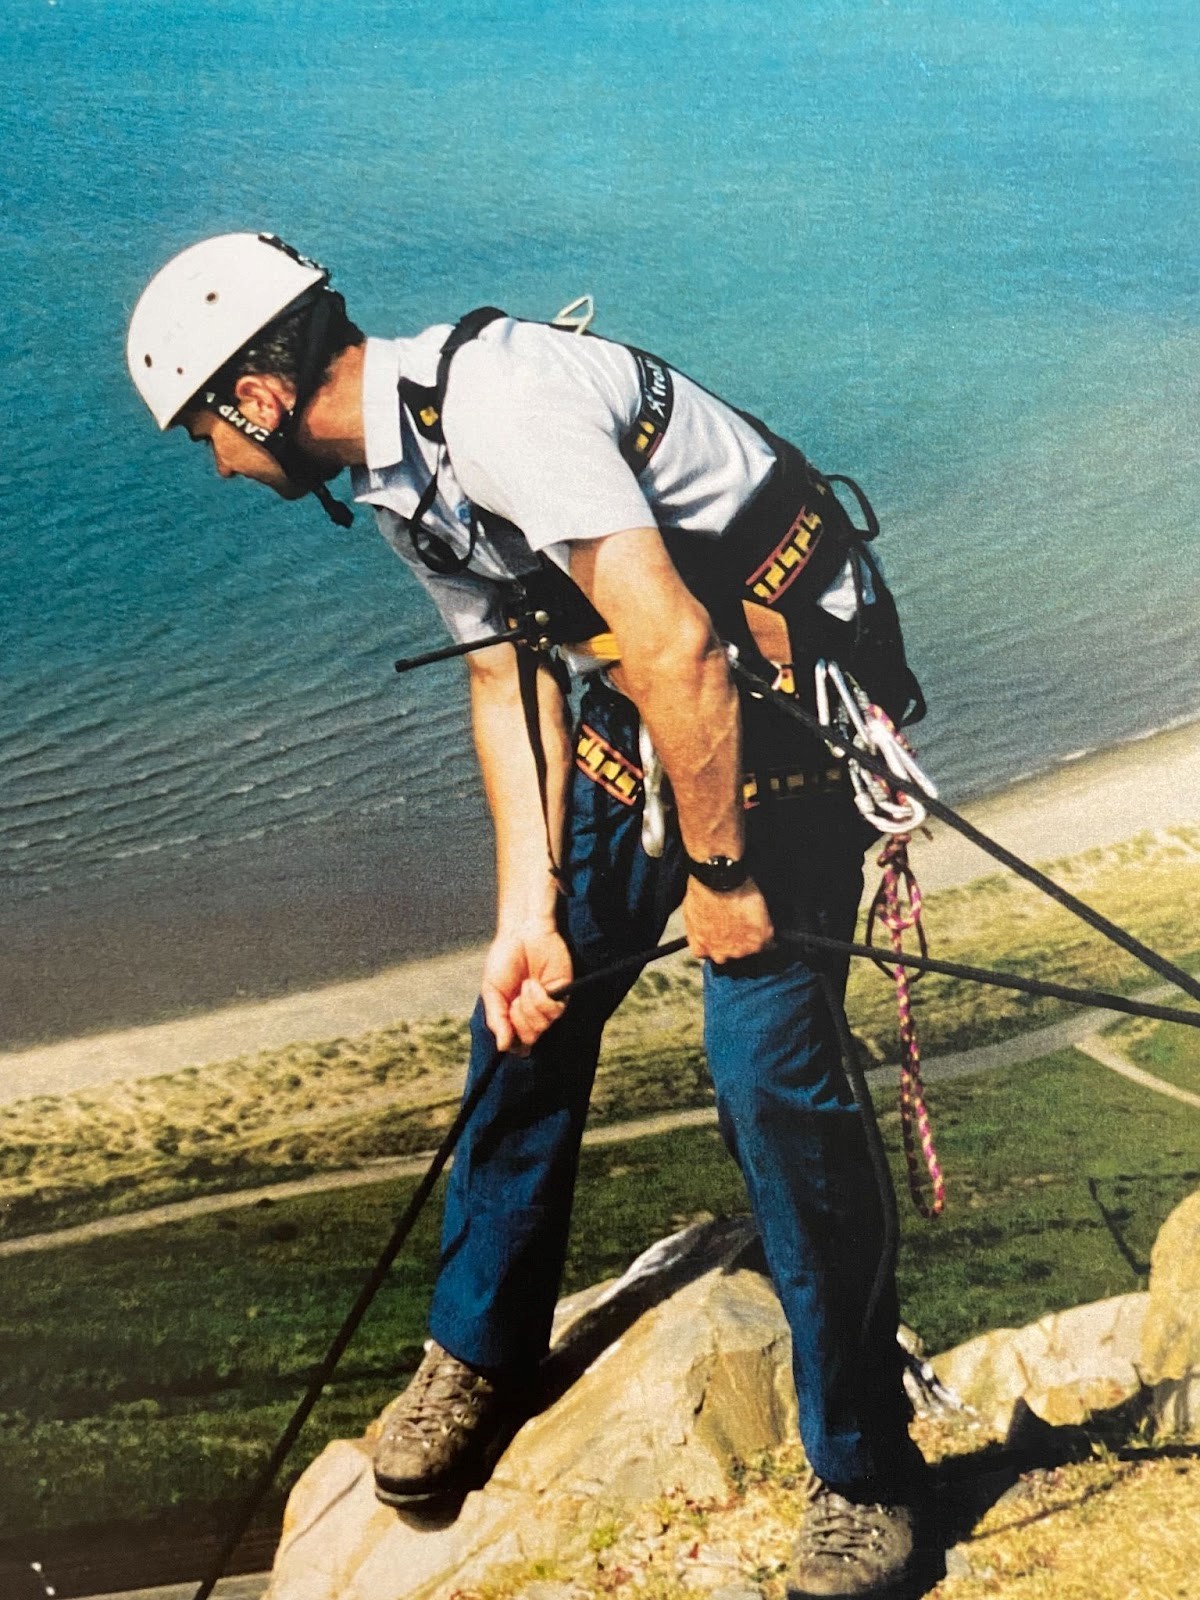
{"type": "Point", "coordinates": [315, 1107]}
{"type": "Point", "coordinates": [152, 1371]}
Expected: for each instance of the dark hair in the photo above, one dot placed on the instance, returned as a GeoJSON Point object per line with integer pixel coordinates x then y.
{"type": "Point", "coordinates": [280, 348]}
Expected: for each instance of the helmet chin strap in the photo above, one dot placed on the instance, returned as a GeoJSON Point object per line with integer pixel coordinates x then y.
{"type": "Point", "coordinates": [281, 443]}
{"type": "Point", "coordinates": [297, 465]}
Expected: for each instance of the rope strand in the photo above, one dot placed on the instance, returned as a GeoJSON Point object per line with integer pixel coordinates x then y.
{"type": "Point", "coordinates": [898, 914]}
{"type": "Point", "coordinates": [938, 808]}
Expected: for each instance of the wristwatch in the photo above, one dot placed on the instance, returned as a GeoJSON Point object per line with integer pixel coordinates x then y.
{"type": "Point", "coordinates": [719, 873]}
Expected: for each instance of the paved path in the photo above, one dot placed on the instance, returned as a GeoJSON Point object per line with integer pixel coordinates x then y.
{"type": "Point", "coordinates": [320, 1182]}
{"type": "Point", "coordinates": [1100, 1050]}
{"type": "Point", "coordinates": [1080, 1032]}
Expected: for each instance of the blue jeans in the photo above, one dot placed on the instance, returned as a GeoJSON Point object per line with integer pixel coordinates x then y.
{"type": "Point", "coordinates": [785, 1107]}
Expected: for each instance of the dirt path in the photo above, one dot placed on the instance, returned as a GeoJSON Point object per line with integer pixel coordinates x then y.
{"type": "Point", "coordinates": [1080, 1032]}
{"type": "Point", "coordinates": [1100, 1050]}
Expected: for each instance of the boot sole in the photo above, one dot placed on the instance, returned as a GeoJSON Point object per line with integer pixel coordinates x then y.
{"type": "Point", "coordinates": [452, 1489]}
{"type": "Point", "coordinates": [907, 1587]}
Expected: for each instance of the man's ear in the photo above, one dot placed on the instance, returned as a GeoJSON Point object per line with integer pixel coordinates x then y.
{"type": "Point", "coordinates": [263, 398]}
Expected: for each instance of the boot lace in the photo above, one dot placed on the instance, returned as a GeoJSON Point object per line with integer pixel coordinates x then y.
{"type": "Point", "coordinates": [443, 1393]}
{"type": "Point", "coordinates": [839, 1527]}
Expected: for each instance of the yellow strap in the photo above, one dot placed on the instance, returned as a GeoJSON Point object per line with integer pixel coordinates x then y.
{"type": "Point", "coordinates": [601, 646]}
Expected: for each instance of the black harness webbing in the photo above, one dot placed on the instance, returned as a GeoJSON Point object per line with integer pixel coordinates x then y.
{"type": "Point", "coordinates": [529, 665]}
{"type": "Point", "coordinates": [546, 597]}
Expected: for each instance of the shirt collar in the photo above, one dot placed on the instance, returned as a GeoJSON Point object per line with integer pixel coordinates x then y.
{"type": "Point", "coordinates": [386, 361]}
{"type": "Point", "coordinates": [381, 405]}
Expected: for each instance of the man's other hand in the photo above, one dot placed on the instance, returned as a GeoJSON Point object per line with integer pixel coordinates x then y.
{"type": "Point", "coordinates": [727, 926]}
{"type": "Point", "coordinates": [519, 971]}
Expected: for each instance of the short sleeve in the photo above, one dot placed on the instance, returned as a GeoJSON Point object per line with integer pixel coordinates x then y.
{"type": "Point", "coordinates": [469, 603]}
{"type": "Point", "coordinates": [533, 432]}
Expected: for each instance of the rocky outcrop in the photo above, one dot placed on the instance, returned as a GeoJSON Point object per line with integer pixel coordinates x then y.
{"type": "Point", "coordinates": [1062, 1367]}
{"type": "Point", "coordinates": [1073, 1363]}
{"type": "Point", "coordinates": [655, 1382]}
{"type": "Point", "coordinates": [1170, 1351]}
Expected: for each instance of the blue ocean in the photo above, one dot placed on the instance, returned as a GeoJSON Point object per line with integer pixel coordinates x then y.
{"type": "Point", "coordinates": [952, 251]}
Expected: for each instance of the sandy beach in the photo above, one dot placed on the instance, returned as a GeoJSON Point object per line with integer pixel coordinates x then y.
{"type": "Point", "coordinates": [1099, 799]}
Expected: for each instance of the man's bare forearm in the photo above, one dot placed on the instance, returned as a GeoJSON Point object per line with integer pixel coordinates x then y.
{"type": "Point", "coordinates": [691, 709]}
{"type": "Point", "coordinates": [674, 670]}
{"type": "Point", "coordinates": [525, 887]}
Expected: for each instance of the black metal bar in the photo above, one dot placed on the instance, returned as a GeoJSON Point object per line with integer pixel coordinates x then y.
{"type": "Point", "coordinates": [447, 652]}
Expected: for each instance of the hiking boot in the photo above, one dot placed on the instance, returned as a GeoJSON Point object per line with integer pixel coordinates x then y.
{"type": "Point", "coordinates": [444, 1434]}
{"type": "Point", "coordinates": [848, 1551]}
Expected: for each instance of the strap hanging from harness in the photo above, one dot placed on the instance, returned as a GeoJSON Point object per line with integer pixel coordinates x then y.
{"type": "Point", "coordinates": [528, 666]}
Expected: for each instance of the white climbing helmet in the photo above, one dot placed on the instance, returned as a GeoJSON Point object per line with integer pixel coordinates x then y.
{"type": "Point", "coordinates": [205, 304]}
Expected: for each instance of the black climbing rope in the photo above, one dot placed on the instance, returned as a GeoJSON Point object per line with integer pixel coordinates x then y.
{"type": "Point", "coordinates": [938, 808]}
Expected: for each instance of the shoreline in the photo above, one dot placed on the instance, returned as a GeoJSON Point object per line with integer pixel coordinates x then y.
{"type": "Point", "coordinates": [1099, 799]}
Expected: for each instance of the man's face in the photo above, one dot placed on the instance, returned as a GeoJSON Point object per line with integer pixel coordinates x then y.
{"type": "Point", "coordinates": [237, 456]}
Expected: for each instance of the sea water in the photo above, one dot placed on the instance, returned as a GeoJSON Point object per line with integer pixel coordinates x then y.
{"type": "Point", "coordinates": [950, 250]}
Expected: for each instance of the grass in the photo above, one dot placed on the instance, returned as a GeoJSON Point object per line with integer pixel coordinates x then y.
{"type": "Point", "coordinates": [1170, 1053]}
{"type": "Point", "coordinates": [316, 1107]}
{"type": "Point", "coordinates": [151, 1372]}
{"type": "Point", "coordinates": [1076, 1532]}
{"type": "Point", "coordinates": [1105, 1529]}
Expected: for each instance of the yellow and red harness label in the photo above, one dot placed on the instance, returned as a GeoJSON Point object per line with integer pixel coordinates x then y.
{"type": "Point", "coordinates": [757, 787]}
{"type": "Point", "coordinates": [788, 559]}
{"type": "Point", "coordinates": [616, 774]}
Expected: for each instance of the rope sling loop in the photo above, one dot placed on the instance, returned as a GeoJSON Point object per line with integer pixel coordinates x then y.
{"type": "Point", "coordinates": [854, 725]}
{"type": "Point", "coordinates": [897, 906]}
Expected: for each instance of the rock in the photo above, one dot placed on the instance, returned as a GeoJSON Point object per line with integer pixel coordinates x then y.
{"type": "Point", "coordinates": [1063, 1367]}
{"type": "Point", "coordinates": [958, 1562]}
{"type": "Point", "coordinates": [1170, 1353]}
{"type": "Point", "coordinates": [653, 1384]}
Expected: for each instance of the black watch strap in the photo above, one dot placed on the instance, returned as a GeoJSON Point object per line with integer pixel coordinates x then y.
{"type": "Point", "coordinates": [719, 873]}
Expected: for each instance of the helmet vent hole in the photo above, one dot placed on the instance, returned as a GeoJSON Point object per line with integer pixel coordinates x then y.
{"type": "Point", "coordinates": [179, 371]}
{"type": "Point", "coordinates": [211, 297]}
{"type": "Point", "coordinates": [149, 360]}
